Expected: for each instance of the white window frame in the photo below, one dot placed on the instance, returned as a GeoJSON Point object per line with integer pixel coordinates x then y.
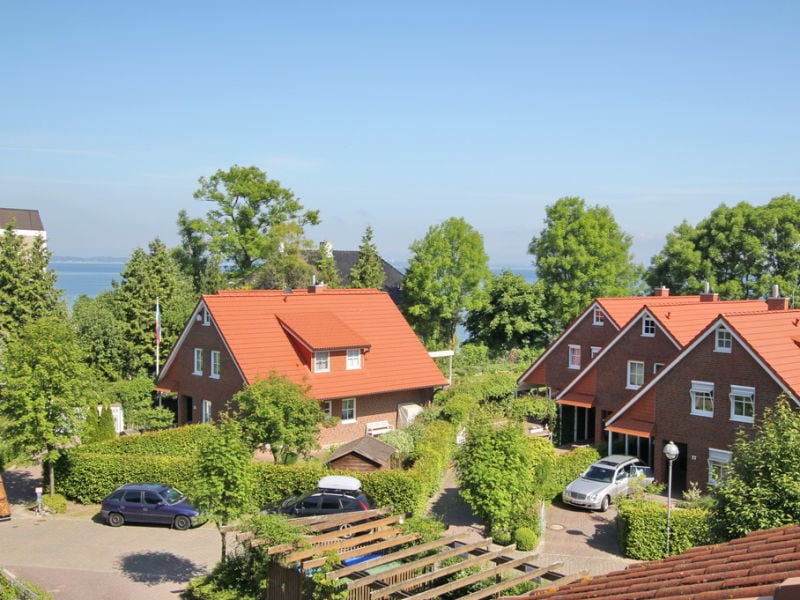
{"type": "Point", "coordinates": [657, 367]}
{"type": "Point", "coordinates": [322, 362]}
{"type": "Point", "coordinates": [216, 364]}
{"type": "Point", "coordinates": [648, 327]}
{"type": "Point", "coordinates": [718, 464]}
{"type": "Point", "coordinates": [349, 411]}
{"type": "Point", "coordinates": [706, 389]}
{"type": "Point", "coordinates": [327, 407]}
{"type": "Point", "coordinates": [198, 361]}
{"type": "Point", "coordinates": [599, 317]}
{"type": "Point", "coordinates": [635, 374]}
{"type": "Point", "coordinates": [596, 350]}
{"type": "Point", "coordinates": [743, 392]}
{"type": "Point", "coordinates": [206, 318]}
{"type": "Point", "coordinates": [205, 411]}
{"type": "Point", "coordinates": [723, 340]}
{"type": "Point", "coordinates": [353, 359]}
{"type": "Point", "coordinates": [573, 353]}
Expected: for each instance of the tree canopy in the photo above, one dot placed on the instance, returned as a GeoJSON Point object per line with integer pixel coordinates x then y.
{"type": "Point", "coordinates": [761, 488]}
{"type": "Point", "coordinates": [446, 270]}
{"type": "Point", "coordinates": [254, 218]}
{"type": "Point", "coordinates": [368, 271]}
{"type": "Point", "coordinates": [581, 254]}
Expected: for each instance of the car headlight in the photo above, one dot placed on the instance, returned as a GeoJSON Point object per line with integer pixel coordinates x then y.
{"type": "Point", "coordinates": [592, 497]}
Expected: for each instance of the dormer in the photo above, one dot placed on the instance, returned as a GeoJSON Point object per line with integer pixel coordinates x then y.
{"type": "Point", "coordinates": [324, 337]}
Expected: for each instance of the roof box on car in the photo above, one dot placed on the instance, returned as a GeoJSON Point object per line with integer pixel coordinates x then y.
{"type": "Point", "coordinates": [339, 482]}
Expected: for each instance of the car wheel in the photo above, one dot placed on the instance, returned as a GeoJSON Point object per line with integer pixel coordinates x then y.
{"type": "Point", "coordinates": [115, 519]}
{"type": "Point", "coordinates": [181, 523]}
{"type": "Point", "coordinates": [604, 504]}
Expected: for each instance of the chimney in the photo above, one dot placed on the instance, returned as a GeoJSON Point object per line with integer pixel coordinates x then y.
{"type": "Point", "coordinates": [776, 302]}
{"type": "Point", "coordinates": [707, 296]}
{"type": "Point", "coordinates": [661, 292]}
{"type": "Point", "coordinates": [317, 288]}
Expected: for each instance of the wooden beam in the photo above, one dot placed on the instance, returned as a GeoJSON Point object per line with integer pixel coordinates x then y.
{"type": "Point", "coordinates": [439, 573]}
{"type": "Point", "coordinates": [299, 555]}
{"type": "Point", "coordinates": [508, 583]}
{"type": "Point", "coordinates": [361, 551]}
{"type": "Point", "coordinates": [332, 535]}
{"type": "Point", "coordinates": [468, 580]}
{"type": "Point", "coordinates": [321, 522]}
{"type": "Point", "coordinates": [554, 585]}
{"type": "Point", "coordinates": [399, 555]}
{"type": "Point", "coordinates": [419, 563]}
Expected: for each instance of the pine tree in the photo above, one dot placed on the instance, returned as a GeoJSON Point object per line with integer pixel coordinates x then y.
{"type": "Point", "coordinates": [327, 272]}
{"type": "Point", "coordinates": [368, 271]}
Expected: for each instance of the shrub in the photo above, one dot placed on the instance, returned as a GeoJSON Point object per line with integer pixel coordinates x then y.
{"type": "Point", "coordinates": [642, 529]}
{"type": "Point", "coordinates": [526, 539]}
{"type": "Point", "coordinates": [179, 441]}
{"type": "Point", "coordinates": [54, 503]}
{"type": "Point", "coordinates": [399, 439]}
{"type": "Point", "coordinates": [567, 467]}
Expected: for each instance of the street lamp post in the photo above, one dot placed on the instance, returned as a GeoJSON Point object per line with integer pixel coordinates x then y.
{"type": "Point", "coordinates": [671, 452]}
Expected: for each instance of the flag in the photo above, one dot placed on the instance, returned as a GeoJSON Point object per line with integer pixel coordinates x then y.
{"type": "Point", "coordinates": [158, 323]}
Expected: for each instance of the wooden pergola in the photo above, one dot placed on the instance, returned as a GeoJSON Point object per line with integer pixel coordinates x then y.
{"type": "Point", "coordinates": [380, 562]}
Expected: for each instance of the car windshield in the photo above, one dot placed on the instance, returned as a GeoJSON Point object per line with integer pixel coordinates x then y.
{"type": "Point", "coordinates": [171, 495]}
{"type": "Point", "coordinates": [595, 473]}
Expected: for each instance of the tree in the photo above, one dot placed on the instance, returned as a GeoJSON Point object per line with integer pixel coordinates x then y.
{"type": "Point", "coordinates": [148, 277]}
{"type": "Point", "coordinates": [580, 255]}
{"type": "Point", "coordinates": [679, 266]}
{"type": "Point", "coordinates": [223, 490]}
{"type": "Point", "coordinates": [254, 217]}
{"type": "Point", "coordinates": [100, 334]}
{"type": "Point", "coordinates": [368, 271]}
{"type": "Point", "coordinates": [195, 259]}
{"type": "Point", "coordinates": [44, 394]}
{"type": "Point", "coordinates": [135, 395]}
{"type": "Point", "coordinates": [27, 285]}
{"type": "Point", "coordinates": [447, 269]}
{"type": "Point", "coordinates": [761, 487]}
{"type": "Point", "coordinates": [327, 271]}
{"type": "Point", "coordinates": [281, 414]}
{"type": "Point", "coordinates": [510, 315]}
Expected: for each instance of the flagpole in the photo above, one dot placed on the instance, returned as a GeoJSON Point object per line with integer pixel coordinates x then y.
{"type": "Point", "coordinates": [158, 335]}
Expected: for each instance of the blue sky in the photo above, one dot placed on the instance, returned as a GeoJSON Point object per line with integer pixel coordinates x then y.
{"type": "Point", "coordinates": [397, 115]}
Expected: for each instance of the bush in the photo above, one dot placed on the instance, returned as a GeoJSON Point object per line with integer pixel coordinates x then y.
{"type": "Point", "coordinates": [179, 441]}
{"type": "Point", "coordinates": [54, 503]}
{"type": "Point", "coordinates": [642, 529]}
{"type": "Point", "coordinates": [399, 439]}
{"type": "Point", "coordinates": [566, 468]}
{"type": "Point", "coordinates": [526, 539]}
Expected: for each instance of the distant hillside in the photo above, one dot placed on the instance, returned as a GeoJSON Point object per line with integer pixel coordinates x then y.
{"type": "Point", "coordinates": [89, 259]}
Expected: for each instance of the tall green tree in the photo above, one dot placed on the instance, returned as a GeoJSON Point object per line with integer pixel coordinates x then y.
{"type": "Point", "coordinates": [195, 259]}
{"type": "Point", "coordinates": [45, 387]}
{"type": "Point", "coordinates": [327, 271]}
{"type": "Point", "coordinates": [447, 269]}
{"type": "Point", "coordinates": [223, 490]}
{"type": "Point", "coordinates": [281, 414]}
{"type": "Point", "coordinates": [761, 488]}
{"type": "Point", "coordinates": [581, 254]}
{"type": "Point", "coordinates": [368, 271]}
{"type": "Point", "coordinates": [147, 277]}
{"type": "Point", "coordinates": [27, 284]}
{"type": "Point", "coordinates": [679, 266]}
{"type": "Point", "coordinates": [254, 216]}
{"type": "Point", "coordinates": [510, 315]}
{"type": "Point", "coordinates": [100, 334]}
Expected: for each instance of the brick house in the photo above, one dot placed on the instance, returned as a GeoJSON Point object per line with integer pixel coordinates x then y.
{"type": "Point", "coordinates": [720, 383]}
{"type": "Point", "coordinates": [352, 347]}
{"type": "Point", "coordinates": [651, 339]}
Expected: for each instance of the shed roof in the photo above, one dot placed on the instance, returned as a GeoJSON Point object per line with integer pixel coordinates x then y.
{"type": "Point", "coordinates": [368, 447]}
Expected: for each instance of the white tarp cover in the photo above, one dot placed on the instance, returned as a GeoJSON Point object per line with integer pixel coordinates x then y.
{"type": "Point", "coordinates": [406, 413]}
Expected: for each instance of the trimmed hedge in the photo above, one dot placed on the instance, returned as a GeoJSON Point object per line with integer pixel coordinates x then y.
{"type": "Point", "coordinates": [642, 529]}
{"type": "Point", "coordinates": [179, 441]}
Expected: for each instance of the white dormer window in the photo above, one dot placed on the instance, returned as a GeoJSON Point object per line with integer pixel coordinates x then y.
{"type": "Point", "coordinates": [648, 327]}
{"type": "Point", "coordinates": [723, 341]}
{"type": "Point", "coordinates": [322, 362]}
{"type": "Point", "coordinates": [353, 359]}
{"type": "Point", "coordinates": [599, 317]}
{"type": "Point", "coordinates": [574, 357]}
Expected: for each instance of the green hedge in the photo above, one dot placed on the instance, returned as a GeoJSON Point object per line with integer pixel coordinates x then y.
{"type": "Point", "coordinates": [566, 468]}
{"type": "Point", "coordinates": [642, 529]}
{"type": "Point", "coordinates": [179, 441]}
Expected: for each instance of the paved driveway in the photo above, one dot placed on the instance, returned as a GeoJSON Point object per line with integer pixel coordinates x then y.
{"type": "Point", "coordinates": [78, 557]}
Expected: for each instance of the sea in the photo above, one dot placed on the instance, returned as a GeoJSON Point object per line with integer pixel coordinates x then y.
{"type": "Point", "coordinates": [90, 277]}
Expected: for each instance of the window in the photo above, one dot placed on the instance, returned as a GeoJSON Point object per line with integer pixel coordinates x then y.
{"type": "Point", "coordinates": [724, 340]}
{"type": "Point", "coordinates": [353, 358]}
{"type": "Point", "coordinates": [595, 350]}
{"type": "Point", "coordinates": [717, 465]}
{"type": "Point", "coordinates": [327, 407]}
{"type": "Point", "coordinates": [743, 403]}
{"type": "Point", "coordinates": [322, 362]}
{"type": "Point", "coordinates": [205, 416]}
{"type": "Point", "coordinates": [657, 367]}
{"type": "Point", "coordinates": [349, 410]}
{"type": "Point", "coordinates": [206, 317]}
{"type": "Point", "coordinates": [635, 374]}
{"type": "Point", "coordinates": [599, 317]}
{"type": "Point", "coordinates": [574, 357]}
{"type": "Point", "coordinates": [702, 398]}
{"type": "Point", "coordinates": [198, 361]}
{"type": "Point", "coordinates": [648, 327]}
{"type": "Point", "coordinates": [215, 360]}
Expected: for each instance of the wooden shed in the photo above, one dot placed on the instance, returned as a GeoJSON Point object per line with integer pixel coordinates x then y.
{"type": "Point", "coordinates": [364, 454]}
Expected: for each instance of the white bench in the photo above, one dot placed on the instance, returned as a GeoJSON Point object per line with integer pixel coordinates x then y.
{"type": "Point", "coordinates": [378, 427]}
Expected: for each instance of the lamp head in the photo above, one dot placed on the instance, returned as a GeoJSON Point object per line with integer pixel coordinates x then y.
{"type": "Point", "coordinates": [671, 451]}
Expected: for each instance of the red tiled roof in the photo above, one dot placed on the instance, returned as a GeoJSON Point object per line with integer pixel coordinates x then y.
{"type": "Point", "coordinates": [622, 310]}
{"type": "Point", "coordinates": [685, 321]}
{"type": "Point", "coordinates": [749, 567]}
{"type": "Point", "coordinates": [256, 326]}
